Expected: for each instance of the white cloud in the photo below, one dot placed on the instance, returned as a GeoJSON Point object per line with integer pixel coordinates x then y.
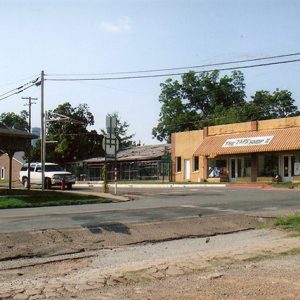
{"type": "Point", "coordinates": [120, 25]}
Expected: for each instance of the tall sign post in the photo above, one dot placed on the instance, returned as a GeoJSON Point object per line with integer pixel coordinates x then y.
{"type": "Point", "coordinates": [111, 145]}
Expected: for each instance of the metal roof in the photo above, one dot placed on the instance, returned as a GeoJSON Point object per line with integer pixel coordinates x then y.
{"type": "Point", "coordinates": [147, 152]}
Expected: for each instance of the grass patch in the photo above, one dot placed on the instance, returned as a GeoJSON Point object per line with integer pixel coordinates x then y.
{"type": "Point", "coordinates": [4, 181]}
{"type": "Point", "coordinates": [288, 184]}
{"type": "Point", "coordinates": [33, 198]}
{"type": "Point", "coordinates": [291, 223]}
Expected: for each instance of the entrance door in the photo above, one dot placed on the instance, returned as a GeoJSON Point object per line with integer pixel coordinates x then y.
{"type": "Point", "coordinates": [187, 169]}
{"type": "Point", "coordinates": [236, 167]}
{"type": "Point", "coordinates": [288, 167]}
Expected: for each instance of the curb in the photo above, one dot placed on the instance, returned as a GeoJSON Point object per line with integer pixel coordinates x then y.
{"type": "Point", "coordinates": [173, 185]}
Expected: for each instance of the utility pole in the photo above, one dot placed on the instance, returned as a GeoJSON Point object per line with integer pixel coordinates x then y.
{"type": "Point", "coordinates": [43, 140]}
{"type": "Point", "coordinates": [29, 129]}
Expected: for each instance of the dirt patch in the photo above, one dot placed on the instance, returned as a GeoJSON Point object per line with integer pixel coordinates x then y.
{"type": "Point", "coordinates": [255, 264]}
{"type": "Point", "coordinates": [96, 236]}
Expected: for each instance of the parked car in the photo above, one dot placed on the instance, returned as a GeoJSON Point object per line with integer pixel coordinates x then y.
{"type": "Point", "coordinates": [54, 175]}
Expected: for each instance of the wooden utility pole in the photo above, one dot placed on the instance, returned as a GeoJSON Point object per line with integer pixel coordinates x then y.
{"type": "Point", "coordinates": [43, 135]}
{"type": "Point", "coordinates": [30, 102]}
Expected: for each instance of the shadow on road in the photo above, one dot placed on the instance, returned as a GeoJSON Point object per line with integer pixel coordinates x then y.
{"type": "Point", "coordinates": [97, 228]}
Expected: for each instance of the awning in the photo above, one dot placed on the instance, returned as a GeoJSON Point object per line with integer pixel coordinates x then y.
{"type": "Point", "coordinates": [287, 139]}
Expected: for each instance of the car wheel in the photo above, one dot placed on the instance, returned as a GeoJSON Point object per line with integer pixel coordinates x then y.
{"type": "Point", "coordinates": [25, 182]}
{"type": "Point", "coordinates": [48, 183]}
{"type": "Point", "coordinates": [69, 186]}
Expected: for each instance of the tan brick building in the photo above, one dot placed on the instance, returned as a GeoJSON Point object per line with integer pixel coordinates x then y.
{"type": "Point", "coordinates": [242, 152]}
{"type": "Point", "coordinates": [17, 163]}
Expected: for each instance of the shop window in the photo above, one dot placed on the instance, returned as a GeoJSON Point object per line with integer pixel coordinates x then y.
{"type": "Point", "coordinates": [217, 168]}
{"type": "Point", "coordinates": [196, 163]}
{"type": "Point", "coordinates": [268, 165]}
{"type": "Point", "coordinates": [247, 167]}
{"type": "Point", "coordinates": [178, 164]}
{"type": "Point", "coordinates": [296, 166]}
{"type": "Point", "coordinates": [293, 164]}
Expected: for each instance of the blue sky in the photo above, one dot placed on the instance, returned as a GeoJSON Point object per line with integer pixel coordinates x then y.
{"type": "Point", "coordinates": [89, 36]}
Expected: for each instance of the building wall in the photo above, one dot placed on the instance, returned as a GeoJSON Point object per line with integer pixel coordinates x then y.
{"type": "Point", "coordinates": [16, 167]}
{"type": "Point", "coordinates": [184, 144]}
{"type": "Point", "coordinates": [278, 123]}
{"type": "Point", "coordinates": [229, 128]}
{"type": "Point", "coordinates": [248, 126]}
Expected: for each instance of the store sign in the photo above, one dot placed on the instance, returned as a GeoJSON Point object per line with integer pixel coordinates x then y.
{"type": "Point", "coordinates": [250, 141]}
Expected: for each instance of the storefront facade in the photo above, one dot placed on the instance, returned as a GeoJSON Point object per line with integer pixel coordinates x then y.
{"type": "Point", "coordinates": [257, 151]}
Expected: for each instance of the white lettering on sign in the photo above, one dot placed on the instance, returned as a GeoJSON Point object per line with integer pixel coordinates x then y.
{"type": "Point", "coordinates": [250, 141]}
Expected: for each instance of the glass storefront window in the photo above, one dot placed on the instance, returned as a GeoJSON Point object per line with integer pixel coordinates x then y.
{"type": "Point", "coordinates": [217, 167]}
{"type": "Point", "coordinates": [268, 165]}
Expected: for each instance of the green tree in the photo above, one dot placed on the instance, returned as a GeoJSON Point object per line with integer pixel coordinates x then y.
{"type": "Point", "coordinates": [15, 121]}
{"type": "Point", "coordinates": [197, 101]}
{"type": "Point", "coordinates": [74, 141]}
{"type": "Point", "coordinates": [265, 105]}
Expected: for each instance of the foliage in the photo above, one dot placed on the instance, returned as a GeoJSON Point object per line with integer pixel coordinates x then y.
{"type": "Point", "coordinates": [280, 104]}
{"type": "Point", "coordinates": [74, 140]}
{"type": "Point", "coordinates": [208, 99]}
{"type": "Point", "coordinates": [15, 121]}
{"type": "Point", "coordinates": [193, 103]}
{"type": "Point", "coordinates": [125, 139]}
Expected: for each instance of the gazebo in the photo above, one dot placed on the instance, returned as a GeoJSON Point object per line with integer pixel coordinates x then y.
{"type": "Point", "coordinates": [11, 141]}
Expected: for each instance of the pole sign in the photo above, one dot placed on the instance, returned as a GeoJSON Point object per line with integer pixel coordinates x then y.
{"type": "Point", "coordinates": [110, 146]}
{"type": "Point", "coordinates": [110, 141]}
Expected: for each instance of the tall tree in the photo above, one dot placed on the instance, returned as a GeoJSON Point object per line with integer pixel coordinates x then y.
{"type": "Point", "coordinates": [197, 101]}
{"type": "Point", "coordinates": [15, 121]}
{"type": "Point", "coordinates": [280, 104]}
{"type": "Point", "coordinates": [73, 140]}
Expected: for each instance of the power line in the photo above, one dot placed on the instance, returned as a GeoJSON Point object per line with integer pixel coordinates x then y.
{"type": "Point", "coordinates": [17, 92]}
{"type": "Point", "coordinates": [20, 80]}
{"type": "Point", "coordinates": [181, 68]}
{"type": "Point", "coordinates": [19, 89]}
{"type": "Point", "coordinates": [171, 74]}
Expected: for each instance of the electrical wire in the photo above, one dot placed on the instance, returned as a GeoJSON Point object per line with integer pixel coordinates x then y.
{"type": "Point", "coordinates": [171, 74]}
{"type": "Point", "coordinates": [20, 81]}
{"type": "Point", "coordinates": [37, 81]}
{"type": "Point", "coordinates": [182, 68]}
{"type": "Point", "coordinates": [19, 89]}
{"type": "Point", "coordinates": [17, 92]}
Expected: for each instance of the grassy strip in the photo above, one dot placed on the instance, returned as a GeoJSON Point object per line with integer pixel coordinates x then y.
{"type": "Point", "coordinates": [25, 198]}
{"type": "Point", "coordinates": [4, 181]}
{"type": "Point", "coordinates": [289, 185]}
{"type": "Point", "coordinates": [291, 223]}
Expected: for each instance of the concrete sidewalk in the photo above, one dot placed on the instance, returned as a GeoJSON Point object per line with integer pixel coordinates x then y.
{"type": "Point", "coordinates": [114, 198]}
{"type": "Point", "coordinates": [150, 185]}
{"type": "Point", "coordinates": [186, 185]}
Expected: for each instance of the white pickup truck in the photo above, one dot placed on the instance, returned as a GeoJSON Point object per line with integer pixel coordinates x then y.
{"type": "Point", "coordinates": [54, 174]}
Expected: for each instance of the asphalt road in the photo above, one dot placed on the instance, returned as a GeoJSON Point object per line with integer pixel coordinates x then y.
{"type": "Point", "coordinates": [155, 204]}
